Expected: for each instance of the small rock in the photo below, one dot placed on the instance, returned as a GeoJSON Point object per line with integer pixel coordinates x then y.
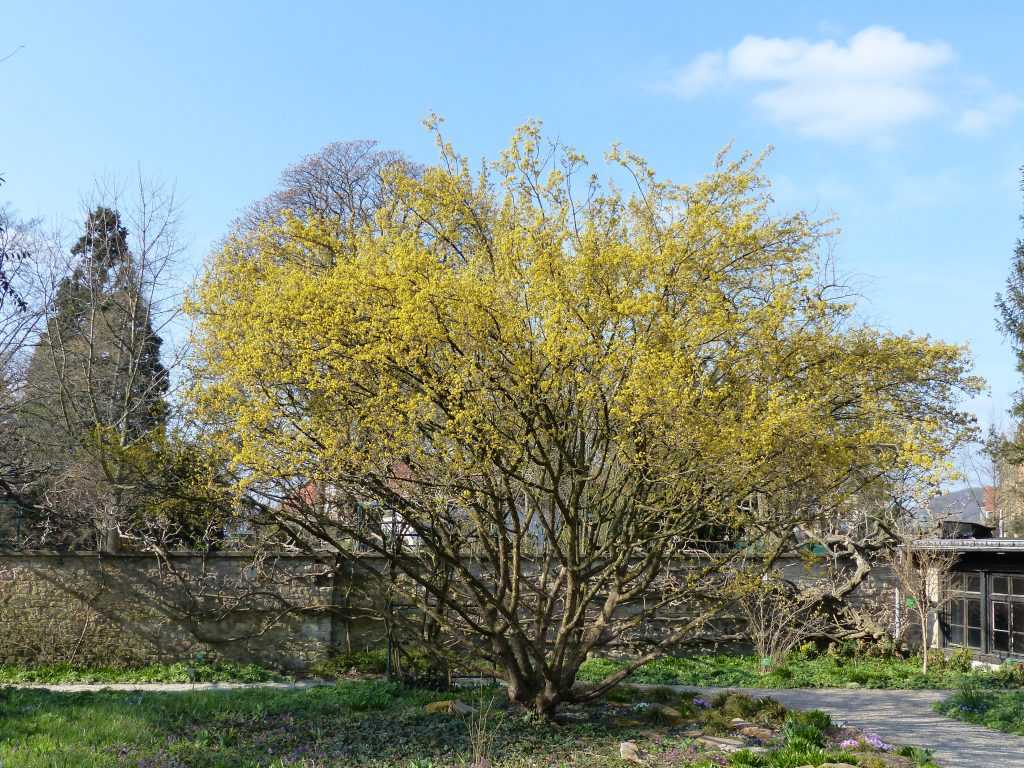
{"type": "Point", "coordinates": [757, 732]}
{"type": "Point", "coordinates": [724, 743]}
{"type": "Point", "coordinates": [669, 713]}
{"type": "Point", "coordinates": [452, 707]}
{"type": "Point", "coordinates": [852, 686]}
{"type": "Point", "coordinates": [626, 722]}
{"type": "Point", "coordinates": [462, 708]}
{"type": "Point", "coordinates": [630, 752]}
{"type": "Point", "coordinates": [571, 716]}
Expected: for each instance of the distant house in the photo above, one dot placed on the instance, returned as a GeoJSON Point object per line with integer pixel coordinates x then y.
{"type": "Point", "coordinates": [986, 611]}
{"type": "Point", "coordinates": [966, 505]}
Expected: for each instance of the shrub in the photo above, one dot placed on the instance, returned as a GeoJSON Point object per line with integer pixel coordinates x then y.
{"type": "Point", "coordinates": [804, 730]}
{"type": "Point", "coordinates": [365, 662]}
{"type": "Point", "coordinates": [961, 660]}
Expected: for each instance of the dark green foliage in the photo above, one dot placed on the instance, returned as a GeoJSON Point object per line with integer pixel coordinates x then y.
{"type": "Point", "coordinates": [800, 671]}
{"type": "Point", "coordinates": [101, 322]}
{"type": "Point", "coordinates": [922, 757]}
{"type": "Point", "coordinates": [1010, 305]}
{"type": "Point", "coordinates": [95, 385]}
{"type": "Point", "coordinates": [806, 727]}
{"type": "Point", "coordinates": [179, 672]}
{"type": "Point", "coordinates": [999, 710]}
{"type": "Point", "coordinates": [367, 723]}
{"type": "Point", "coordinates": [363, 662]}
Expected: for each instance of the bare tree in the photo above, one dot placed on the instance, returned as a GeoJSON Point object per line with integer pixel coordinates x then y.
{"type": "Point", "coordinates": [923, 574]}
{"type": "Point", "coordinates": [345, 182]}
{"type": "Point", "coordinates": [778, 616]}
{"type": "Point", "coordinates": [22, 310]}
{"type": "Point", "coordinates": [99, 377]}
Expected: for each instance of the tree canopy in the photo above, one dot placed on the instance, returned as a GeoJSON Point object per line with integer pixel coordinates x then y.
{"type": "Point", "coordinates": [560, 392]}
{"type": "Point", "coordinates": [95, 383]}
{"type": "Point", "coordinates": [1010, 306]}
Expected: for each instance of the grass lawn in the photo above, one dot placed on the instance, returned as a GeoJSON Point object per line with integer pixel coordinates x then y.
{"type": "Point", "coordinates": [181, 672]}
{"type": "Point", "coordinates": [802, 671]}
{"type": "Point", "coordinates": [999, 710]}
{"type": "Point", "coordinates": [374, 723]}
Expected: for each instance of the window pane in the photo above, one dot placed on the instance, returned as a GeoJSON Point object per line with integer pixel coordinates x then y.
{"type": "Point", "coordinates": [1000, 617]}
{"type": "Point", "coordinates": [974, 614]}
{"type": "Point", "coordinates": [1001, 641]}
{"type": "Point", "coordinates": [973, 582]}
{"type": "Point", "coordinates": [1017, 584]}
{"type": "Point", "coordinates": [1018, 642]}
{"type": "Point", "coordinates": [1000, 585]}
{"type": "Point", "coordinates": [956, 612]}
{"type": "Point", "coordinates": [974, 638]}
{"type": "Point", "coordinates": [956, 634]}
{"type": "Point", "coordinates": [1017, 617]}
{"type": "Point", "coordinates": [956, 581]}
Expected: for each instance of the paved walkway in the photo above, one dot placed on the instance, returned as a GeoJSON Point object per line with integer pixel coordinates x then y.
{"type": "Point", "coordinates": [904, 717]}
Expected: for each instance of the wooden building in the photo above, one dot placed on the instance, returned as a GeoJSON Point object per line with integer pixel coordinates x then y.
{"type": "Point", "coordinates": [984, 607]}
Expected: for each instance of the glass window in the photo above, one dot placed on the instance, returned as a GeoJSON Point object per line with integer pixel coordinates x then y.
{"type": "Point", "coordinates": [1001, 641]}
{"type": "Point", "coordinates": [956, 634]}
{"type": "Point", "coordinates": [974, 614]}
{"type": "Point", "coordinates": [1000, 585]}
{"type": "Point", "coordinates": [1017, 616]}
{"type": "Point", "coordinates": [963, 613]}
{"type": "Point", "coordinates": [956, 612]}
{"type": "Point", "coordinates": [1018, 585]}
{"type": "Point", "coordinates": [1000, 617]}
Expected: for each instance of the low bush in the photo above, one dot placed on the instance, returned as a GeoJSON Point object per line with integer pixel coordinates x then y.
{"type": "Point", "coordinates": [363, 662]}
{"type": "Point", "coordinates": [999, 710]}
{"type": "Point", "coordinates": [840, 667]}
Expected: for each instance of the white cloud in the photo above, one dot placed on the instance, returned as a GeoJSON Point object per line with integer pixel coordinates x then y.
{"type": "Point", "coordinates": [865, 88]}
{"type": "Point", "coordinates": [698, 76]}
{"type": "Point", "coordinates": [980, 120]}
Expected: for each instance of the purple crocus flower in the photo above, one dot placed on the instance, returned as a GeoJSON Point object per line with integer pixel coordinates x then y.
{"type": "Point", "coordinates": [876, 742]}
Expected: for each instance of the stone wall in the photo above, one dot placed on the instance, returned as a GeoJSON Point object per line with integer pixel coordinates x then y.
{"type": "Point", "coordinates": [284, 611]}
{"type": "Point", "coordinates": [90, 608]}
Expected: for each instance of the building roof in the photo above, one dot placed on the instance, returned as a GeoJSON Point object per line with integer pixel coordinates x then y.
{"type": "Point", "coordinates": [971, 545]}
{"type": "Point", "coordinates": [967, 505]}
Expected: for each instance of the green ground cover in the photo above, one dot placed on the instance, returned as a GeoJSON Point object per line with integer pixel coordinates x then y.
{"type": "Point", "coordinates": [375, 723]}
{"type": "Point", "coordinates": [803, 670]}
{"type": "Point", "coordinates": [999, 710]}
{"type": "Point", "coordinates": [181, 672]}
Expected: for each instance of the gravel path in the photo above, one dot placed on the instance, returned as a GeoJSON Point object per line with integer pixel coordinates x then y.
{"type": "Point", "coordinates": [904, 717]}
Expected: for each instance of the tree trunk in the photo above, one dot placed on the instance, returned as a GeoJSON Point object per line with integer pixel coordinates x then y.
{"type": "Point", "coordinates": [924, 643]}
{"type": "Point", "coordinates": [537, 694]}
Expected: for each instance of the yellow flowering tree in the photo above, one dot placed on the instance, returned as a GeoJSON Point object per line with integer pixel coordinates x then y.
{"type": "Point", "coordinates": [564, 416]}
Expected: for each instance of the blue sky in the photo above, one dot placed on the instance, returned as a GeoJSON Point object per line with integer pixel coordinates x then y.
{"type": "Point", "coordinates": [906, 120]}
